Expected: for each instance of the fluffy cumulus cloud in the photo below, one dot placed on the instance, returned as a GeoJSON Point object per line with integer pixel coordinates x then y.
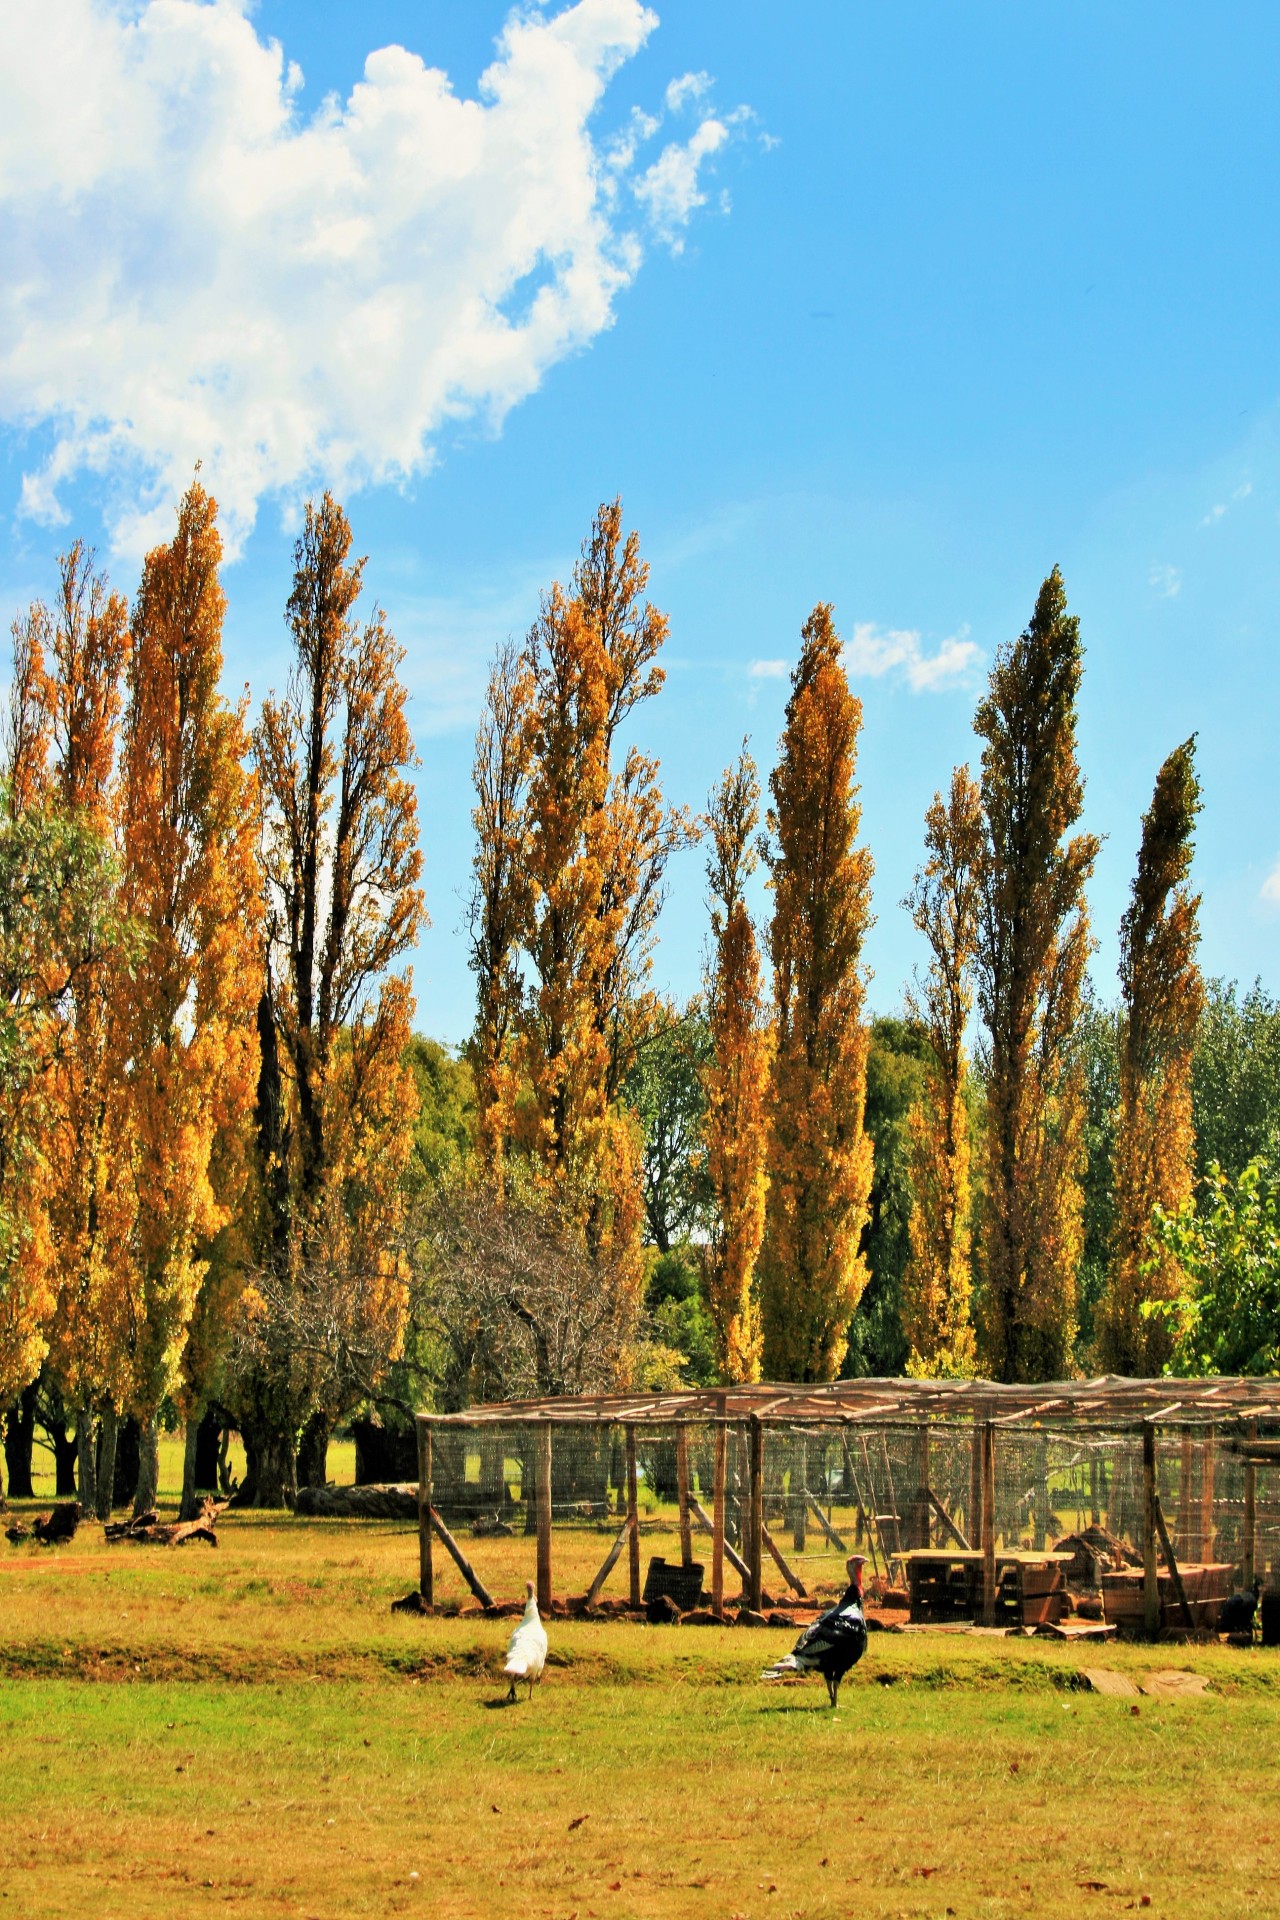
{"type": "Point", "coordinates": [195, 270]}
{"type": "Point", "coordinates": [876, 651]}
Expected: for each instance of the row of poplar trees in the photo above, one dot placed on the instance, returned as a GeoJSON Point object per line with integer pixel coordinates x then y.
{"type": "Point", "coordinates": [573, 839]}
{"type": "Point", "coordinates": [206, 1102]}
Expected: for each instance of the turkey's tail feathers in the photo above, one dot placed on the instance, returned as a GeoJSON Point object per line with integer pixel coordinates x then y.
{"type": "Point", "coordinates": [787, 1664]}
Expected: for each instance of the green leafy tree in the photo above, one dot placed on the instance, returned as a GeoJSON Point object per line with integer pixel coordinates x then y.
{"type": "Point", "coordinates": [1235, 1077]}
{"type": "Point", "coordinates": [1228, 1245]}
{"type": "Point", "coordinates": [897, 1059]}
{"type": "Point", "coordinates": [665, 1090]}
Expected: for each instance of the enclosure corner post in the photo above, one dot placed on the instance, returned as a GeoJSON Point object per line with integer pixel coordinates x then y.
{"type": "Point", "coordinates": [1248, 1544]}
{"type": "Point", "coordinates": [1150, 1572]}
{"type": "Point", "coordinates": [633, 1518]}
{"type": "Point", "coordinates": [544, 1516]}
{"type": "Point", "coordinates": [426, 1571]}
{"type": "Point", "coordinates": [682, 1491]}
{"type": "Point", "coordinates": [756, 1543]}
{"type": "Point", "coordinates": [717, 1513]}
{"type": "Point", "coordinates": [988, 1524]}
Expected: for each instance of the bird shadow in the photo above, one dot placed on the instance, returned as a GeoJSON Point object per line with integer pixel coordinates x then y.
{"type": "Point", "coordinates": [808, 1706]}
{"type": "Point", "coordinates": [496, 1706]}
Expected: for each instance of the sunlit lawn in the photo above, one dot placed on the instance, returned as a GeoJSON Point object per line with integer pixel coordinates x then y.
{"type": "Point", "coordinates": [250, 1729]}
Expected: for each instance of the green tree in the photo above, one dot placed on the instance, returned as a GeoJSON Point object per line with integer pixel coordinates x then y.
{"type": "Point", "coordinates": [897, 1059]}
{"type": "Point", "coordinates": [1235, 1077]}
{"type": "Point", "coordinates": [1228, 1245]}
{"type": "Point", "coordinates": [665, 1090]}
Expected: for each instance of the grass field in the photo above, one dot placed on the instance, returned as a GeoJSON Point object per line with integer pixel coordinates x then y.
{"type": "Point", "coordinates": [250, 1730]}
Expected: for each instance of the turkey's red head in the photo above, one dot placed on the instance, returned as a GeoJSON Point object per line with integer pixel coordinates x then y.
{"type": "Point", "coordinates": [854, 1565]}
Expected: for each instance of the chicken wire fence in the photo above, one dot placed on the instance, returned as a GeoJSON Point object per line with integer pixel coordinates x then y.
{"type": "Point", "coordinates": [536, 1498]}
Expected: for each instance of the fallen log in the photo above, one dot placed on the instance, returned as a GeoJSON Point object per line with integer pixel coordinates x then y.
{"type": "Point", "coordinates": [148, 1530]}
{"type": "Point", "coordinates": [389, 1502]}
{"type": "Point", "coordinates": [51, 1528]}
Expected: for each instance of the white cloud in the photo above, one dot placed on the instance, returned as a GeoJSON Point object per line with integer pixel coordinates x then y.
{"type": "Point", "coordinates": [1167, 582]}
{"type": "Point", "coordinates": [689, 86]}
{"type": "Point", "coordinates": [768, 670]}
{"type": "Point", "coordinates": [192, 269]}
{"type": "Point", "coordinates": [876, 651]}
{"type": "Point", "coordinates": [1270, 889]}
{"type": "Point", "coordinates": [1216, 513]}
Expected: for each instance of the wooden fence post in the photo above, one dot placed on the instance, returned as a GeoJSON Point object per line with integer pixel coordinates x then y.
{"type": "Point", "coordinates": [988, 1524]}
{"type": "Point", "coordinates": [1150, 1571]}
{"type": "Point", "coordinates": [682, 1491]}
{"type": "Point", "coordinates": [426, 1571]}
{"type": "Point", "coordinates": [543, 1477]}
{"type": "Point", "coordinates": [1207, 1530]}
{"type": "Point", "coordinates": [633, 1516]}
{"type": "Point", "coordinates": [756, 1472]}
{"type": "Point", "coordinates": [1248, 1555]}
{"type": "Point", "coordinates": [1184, 1495]}
{"type": "Point", "coordinates": [717, 1516]}
{"type": "Point", "coordinates": [973, 1518]}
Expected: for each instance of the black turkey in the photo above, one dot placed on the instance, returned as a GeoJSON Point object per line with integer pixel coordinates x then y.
{"type": "Point", "coordinates": [834, 1643]}
{"type": "Point", "coordinates": [1235, 1615]}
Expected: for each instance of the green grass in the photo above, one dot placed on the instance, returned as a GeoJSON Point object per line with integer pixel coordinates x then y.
{"type": "Point", "coordinates": [250, 1730]}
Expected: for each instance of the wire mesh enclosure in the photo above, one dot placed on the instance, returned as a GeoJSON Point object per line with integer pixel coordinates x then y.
{"type": "Point", "coordinates": [1146, 1501]}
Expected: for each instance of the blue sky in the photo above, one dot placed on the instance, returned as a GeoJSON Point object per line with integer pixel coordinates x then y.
{"type": "Point", "coordinates": [892, 306]}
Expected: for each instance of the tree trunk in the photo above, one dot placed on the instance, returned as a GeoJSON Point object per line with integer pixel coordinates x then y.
{"type": "Point", "coordinates": [147, 1491]}
{"type": "Point", "coordinates": [125, 1482]}
{"type": "Point", "coordinates": [86, 1462]}
{"type": "Point", "coordinates": [207, 1436]}
{"type": "Point", "coordinates": [64, 1461]}
{"type": "Point", "coordinates": [187, 1507]}
{"type": "Point", "coordinates": [19, 1439]}
{"type": "Point", "coordinates": [313, 1451]}
{"type": "Point", "coordinates": [108, 1436]}
{"type": "Point", "coordinates": [273, 1472]}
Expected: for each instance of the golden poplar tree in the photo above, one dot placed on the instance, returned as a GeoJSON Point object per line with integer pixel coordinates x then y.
{"type": "Point", "coordinates": [936, 1315]}
{"type": "Point", "coordinates": [572, 850]}
{"type": "Point", "coordinates": [336, 1096]}
{"type": "Point", "coordinates": [190, 882]}
{"type": "Point", "coordinates": [1033, 946]}
{"type": "Point", "coordinates": [91, 1202]}
{"type": "Point", "coordinates": [820, 1158]}
{"type": "Point", "coordinates": [735, 1125]}
{"type": "Point", "coordinates": [1163, 997]}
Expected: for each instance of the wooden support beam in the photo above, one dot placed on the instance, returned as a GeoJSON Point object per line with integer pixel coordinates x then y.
{"type": "Point", "coordinates": [682, 1492]}
{"type": "Point", "coordinates": [461, 1561]}
{"type": "Point", "coordinates": [826, 1525]}
{"type": "Point", "coordinates": [988, 1439]}
{"type": "Point", "coordinates": [542, 1477]}
{"type": "Point", "coordinates": [1150, 1572]}
{"type": "Point", "coordinates": [1184, 1495]}
{"type": "Point", "coordinates": [609, 1563]}
{"type": "Point", "coordinates": [735, 1560]}
{"type": "Point", "coordinates": [796, 1585]}
{"type": "Point", "coordinates": [946, 1519]}
{"type": "Point", "coordinates": [974, 1515]}
{"type": "Point", "coordinates": [1172, 1565]}
{"type": "Point", "coordinates": [1207, 1541]}
{"type": "Point", "coordinates": [426, 1570]}
{"type": "Point", "coordinates": [799, 1490]}
{"type": "Point", "coordinates": [755, 1472]}
{"type": "Point", "coordinates": [1248, 1540]}
{"type": "Point", "coordinates": [633, 1517]}
{"type": "Point", "coordinates": [717, 1529]}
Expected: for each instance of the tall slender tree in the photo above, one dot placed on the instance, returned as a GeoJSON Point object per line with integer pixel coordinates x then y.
{"type": "Point", "coordinates": [1033, 945]}
{"type": "Point", "coordinates": [735, 1125]}
{"type": "Point", "coordinates": [1163, 998]}
{"type": "Point", "coordinates": [820, 1158]}
{"type": "Point", "coordinates": [944, 906]}
{"type": "Point", "coordinates": [91, 1204]}
{"type": "Point", "coordinates": [191, 883]}
{"type": "Point", "coordinates": [335, 1097]}
{"type": "Point", "coordinates": [570, 871]}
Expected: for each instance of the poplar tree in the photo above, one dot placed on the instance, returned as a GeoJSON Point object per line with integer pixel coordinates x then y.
{"type": "Point", "coordinates": [735, 1124]}
{"type": "Point", "coordinates": [569, 875]}
{"type": "Point", "coordinates": [91, 1202]}
{"type": "Point", "coordinates": [820, 1158]}
{"type": "Point", "coordinates": [1163, 997]}
{"type": "Point", "coordinates": [190, 882]}
{"type": "Point", "coordinates": [938, 1283]}
{"type": "Point", "coordinates": [1033, 946]}
{"type": "Point", "coordinates": [336, 1099]}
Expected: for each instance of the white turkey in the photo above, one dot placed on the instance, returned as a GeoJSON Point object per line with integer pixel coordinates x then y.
{"type": "Point", "coordinates": [834, 1643]}
{"type": "Point", "coordinates": [527, 1648]}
